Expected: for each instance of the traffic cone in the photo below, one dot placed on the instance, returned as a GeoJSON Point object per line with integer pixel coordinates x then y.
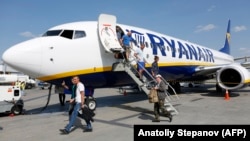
{"type": "Point", "coordinates": [124, 93]}
{"type": "Point", "coordinates": [11, 115]}
{"type": "Point", "coordinates": [227, 95]}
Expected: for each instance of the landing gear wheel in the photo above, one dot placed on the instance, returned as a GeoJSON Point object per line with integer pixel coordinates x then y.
{"type": "Point", "coordinates": [91, 103]}
{"type": "Point", "coordinates": [16, 109]}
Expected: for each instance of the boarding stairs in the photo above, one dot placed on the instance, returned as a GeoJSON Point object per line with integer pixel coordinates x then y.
{"type": "Point", "coordinates": [147, 83]}
{"type": "Point", "coordinates": [108, 38]}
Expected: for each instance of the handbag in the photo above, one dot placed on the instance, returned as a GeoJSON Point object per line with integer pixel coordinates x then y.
{"type": "Point", "coordinates": [153, 96]}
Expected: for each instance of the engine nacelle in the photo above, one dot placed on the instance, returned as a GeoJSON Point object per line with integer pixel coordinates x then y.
{"type": "Point", "coordinates": [233, 77]}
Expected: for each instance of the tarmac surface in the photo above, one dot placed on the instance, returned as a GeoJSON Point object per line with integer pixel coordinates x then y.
{"type": "Point", "coordinates": [116, 114]}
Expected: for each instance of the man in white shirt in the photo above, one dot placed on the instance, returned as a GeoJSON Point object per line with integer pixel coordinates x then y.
{"type": "Point", "coordinates": [79, 104]}
{"type": "Point", "coordinates": [141, 60]}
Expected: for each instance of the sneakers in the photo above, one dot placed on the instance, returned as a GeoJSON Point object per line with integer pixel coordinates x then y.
{"type": "Point", "coordinates": [88, 129]}
{"type": "Point", "coordinates": [64, 131]}
{"type": "Point", "coordinates": [72, 128]}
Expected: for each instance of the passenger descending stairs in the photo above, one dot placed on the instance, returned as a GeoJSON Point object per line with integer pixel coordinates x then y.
{"type": "Point", "coordinates": [147, 85]}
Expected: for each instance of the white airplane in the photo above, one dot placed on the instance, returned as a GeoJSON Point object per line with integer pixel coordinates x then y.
{"type": "Point", "coordinates": [87, 49]}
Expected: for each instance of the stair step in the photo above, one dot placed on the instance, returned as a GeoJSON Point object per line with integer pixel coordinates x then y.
{"type": "Point", "coordinates": [143, 85]}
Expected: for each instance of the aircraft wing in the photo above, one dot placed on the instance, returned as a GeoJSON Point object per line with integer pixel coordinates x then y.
{"type": "Point", "coordinates": [245, 62]}
{"type": "Point", "coordinates": [246, 65]}
{"type": "Point", "coordinates": [212, 69]}
{"type": "Point", "coordinates": [207, 70]}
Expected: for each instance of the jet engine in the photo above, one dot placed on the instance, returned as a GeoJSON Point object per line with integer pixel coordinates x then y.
{"type": "Point", "coordinates": [233, 77]}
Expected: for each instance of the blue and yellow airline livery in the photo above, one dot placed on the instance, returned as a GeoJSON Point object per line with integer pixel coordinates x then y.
{"type": "Point", "coordinates": [87, 49]}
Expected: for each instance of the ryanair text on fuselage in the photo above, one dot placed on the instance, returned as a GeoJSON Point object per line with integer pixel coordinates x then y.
{"type": "Point", "coordinates": [187, 50]}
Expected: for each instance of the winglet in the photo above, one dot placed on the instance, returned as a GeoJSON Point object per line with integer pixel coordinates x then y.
{"type": "Point", "coordinates": [226, 48]}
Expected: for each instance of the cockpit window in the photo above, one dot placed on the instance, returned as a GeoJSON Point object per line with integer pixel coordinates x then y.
{"type": "Point", "coordinates": [70, 34]}
{"type": "Point", "coordinates": [67, 34]}
{"type": "Point", "coordinates": [52, 33]}
{"type": "Point", "coordinates": [79, 34]}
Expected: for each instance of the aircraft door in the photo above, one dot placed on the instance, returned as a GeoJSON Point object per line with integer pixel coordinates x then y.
{"type": "Point", "coordinates": [107, 33]}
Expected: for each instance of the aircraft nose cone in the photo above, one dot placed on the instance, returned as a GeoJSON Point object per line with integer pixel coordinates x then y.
{"type": "Point", "coordinates": [24, 57]}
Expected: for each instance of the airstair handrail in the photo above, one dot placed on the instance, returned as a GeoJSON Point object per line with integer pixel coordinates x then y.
{"type": "Point", "coordinates": [153, 78]}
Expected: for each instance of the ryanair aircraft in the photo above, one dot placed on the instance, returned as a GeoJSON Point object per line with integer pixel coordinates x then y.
{"type": "Point", "coordinates": [87, 49]}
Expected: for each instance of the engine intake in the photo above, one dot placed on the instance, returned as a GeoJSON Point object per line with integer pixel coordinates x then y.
{"type": "Point", "coordinates": [232, 77]}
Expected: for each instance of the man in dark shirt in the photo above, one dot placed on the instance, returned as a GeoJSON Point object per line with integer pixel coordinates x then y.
{"type": "Point", "coordinates": [155, 67]}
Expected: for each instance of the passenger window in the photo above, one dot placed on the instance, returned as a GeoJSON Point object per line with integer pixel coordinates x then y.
{"type": "Point", "coordinates": [67, 34]}
{"type": "Point", "coordinates": [79, 34]}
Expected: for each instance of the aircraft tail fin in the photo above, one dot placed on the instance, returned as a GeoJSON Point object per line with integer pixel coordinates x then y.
{"type": "Point", "coordinates": [226, 48]}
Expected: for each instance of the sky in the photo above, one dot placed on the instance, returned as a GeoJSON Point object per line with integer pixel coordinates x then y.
{"type": "Point", "coordinates": [203, 22]}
